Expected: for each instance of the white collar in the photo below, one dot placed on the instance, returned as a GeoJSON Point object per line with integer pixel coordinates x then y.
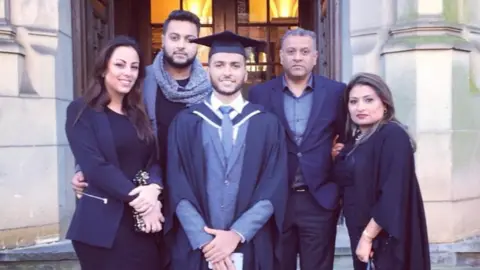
{"type": "Point", "coordinates": [237, 104]}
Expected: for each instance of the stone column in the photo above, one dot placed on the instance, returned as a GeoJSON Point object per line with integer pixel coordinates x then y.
{"type": "Point", "coordinates": [428, 63]}
{"type": "Point", "coordinates": [11, 53]}
{"type": "Point", "coordinates": [35, 161]}
{"type": "Point", "coordinates": [370, 22]}
{"type": "Point", "coordinates": [429, 53]}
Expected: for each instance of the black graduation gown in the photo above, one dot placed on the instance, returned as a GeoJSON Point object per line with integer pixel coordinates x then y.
{"type": "Point", "coordinates": [378, 181]}
{"type": "Point", "coordinates": [264, 176]}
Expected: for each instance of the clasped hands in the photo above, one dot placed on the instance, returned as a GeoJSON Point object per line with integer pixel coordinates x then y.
{"type": "Point", "coordinates": [218, 251]}
{"type": "Point", "coordinates": [149, 207]}
{"type": "Point", "coordinates": [146, 202]}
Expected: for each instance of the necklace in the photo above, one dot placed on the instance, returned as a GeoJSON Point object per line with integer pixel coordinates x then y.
{"type": "Point", "coordinates": [359, 136]}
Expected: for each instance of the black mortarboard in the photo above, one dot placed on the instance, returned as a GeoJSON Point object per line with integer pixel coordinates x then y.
{"type": "Point", "coordinates": [229, 42]}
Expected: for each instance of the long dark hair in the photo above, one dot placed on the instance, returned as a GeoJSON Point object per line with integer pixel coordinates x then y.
{"type": "Point", "coordinates": [97, 97]}
{"type": "Point", "coordinates": [383, 92]}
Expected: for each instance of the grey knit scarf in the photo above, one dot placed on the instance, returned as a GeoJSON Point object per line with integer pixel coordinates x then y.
{"type": "Point", "coordinates": [195, 91]}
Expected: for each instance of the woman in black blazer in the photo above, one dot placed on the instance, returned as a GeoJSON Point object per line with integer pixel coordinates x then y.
{"type": "Point", "coordinates": [112, 141]}
{"type": "Point", "coordinates": [382, 201]}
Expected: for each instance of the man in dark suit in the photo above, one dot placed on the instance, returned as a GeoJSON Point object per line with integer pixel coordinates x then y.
{"type": "Point", "coordinates": [312, 112]}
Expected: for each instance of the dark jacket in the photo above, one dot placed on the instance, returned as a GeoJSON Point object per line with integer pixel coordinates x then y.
{"type": "Point", "coordinates": [96, 220]}
{"type": "Point", "coordinates": [327, 119]}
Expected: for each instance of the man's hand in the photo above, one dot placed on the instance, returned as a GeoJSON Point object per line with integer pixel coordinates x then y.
{"type": "Point", "coordinates": [222, 246]}
{"type": "Point", "coordinates": [78, 183]}
{"type": "Point", "coordinates": [225, 264]}
{"type": "Point", "coordinates": [153, 219]}
{"type": "Point", "coordinates": [147, 197]}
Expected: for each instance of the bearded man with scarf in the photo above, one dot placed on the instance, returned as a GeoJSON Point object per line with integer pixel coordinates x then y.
{"type": "Point", "coordinates": [174, 81]}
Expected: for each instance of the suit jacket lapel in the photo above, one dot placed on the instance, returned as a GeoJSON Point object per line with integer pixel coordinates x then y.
{"type": "Point", "coordinates": [319, 94]}
{"type": "Point", "coordinates": [105, 135]}
{"type": "Point", "coordinates": [279, 106]}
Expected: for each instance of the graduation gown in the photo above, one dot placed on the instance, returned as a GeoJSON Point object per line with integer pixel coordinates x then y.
{"type": "Point", "coordinates": [263, 177]}
{"type": "Point", "coordinates": [378, 181]}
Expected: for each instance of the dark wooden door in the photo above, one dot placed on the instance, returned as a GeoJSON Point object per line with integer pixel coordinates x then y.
{"type": "Point", "coordinates": [96, 21]}
{"type": "Point", "coordinates": [132, 18]}
{"type": "Point", "coordinates": [92, 27]}
{"type": "Point", "coordinates": [328, 31]}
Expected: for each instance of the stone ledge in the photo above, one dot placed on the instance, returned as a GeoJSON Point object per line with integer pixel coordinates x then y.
{"type": "Point", "coordinates": [57, 251]}
{"type": "Point", "coordinates": [471, 244]}
{"type": "Point", "coordinates": [10, 46]}
{"type": "Point", "coordinates": [27, 237]}
{"type": "Point", "coordinates": [463, 254]}
{"type": "Point", "coordinates": [426, 42]}
{"type": "Point", "coordinates": [63, 250]}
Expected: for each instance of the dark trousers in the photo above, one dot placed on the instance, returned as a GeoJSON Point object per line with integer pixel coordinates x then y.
{"type": "Point", "coordinates": [309, 231]}
{"type": "Point", "coordinates": [130, 251]}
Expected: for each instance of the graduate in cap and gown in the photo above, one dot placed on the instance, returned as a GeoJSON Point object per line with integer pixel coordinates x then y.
{"type": "Point", "coordinates": [226, 172]}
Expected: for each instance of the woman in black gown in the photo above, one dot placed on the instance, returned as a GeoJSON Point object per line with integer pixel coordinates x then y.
{"type": "Point", "coordinates": [112, 141]}
{"type": "Point", "coordinates": [382, 202]}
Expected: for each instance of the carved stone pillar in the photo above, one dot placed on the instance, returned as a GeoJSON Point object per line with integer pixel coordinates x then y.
{"type": "Point", "coordinates": [429, 53]}
{"type": "Point", "coordinates": [36, 87]}
{"type": "Point", "coordinates": [428, 62]}
{"type": "Point", "coordinates": [10, 52]}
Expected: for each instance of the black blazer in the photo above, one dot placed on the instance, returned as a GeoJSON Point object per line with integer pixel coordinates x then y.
{"type": "Point", "coordinates": [96, 220]}
{"type": "Point", "coordinates": [327, 119]}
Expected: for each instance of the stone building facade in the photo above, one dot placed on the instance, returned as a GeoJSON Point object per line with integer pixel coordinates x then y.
{"type": "Point", "coordinates": [35, 89]}
{"type": "Point", "coordinates": [427, 50]}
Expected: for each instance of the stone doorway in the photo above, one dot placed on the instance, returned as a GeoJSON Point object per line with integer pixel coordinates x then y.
{"type": "Point", "coordinates": [96, 21]}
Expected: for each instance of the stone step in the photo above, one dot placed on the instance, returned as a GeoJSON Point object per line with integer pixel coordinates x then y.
{"type": "Point", "coordinates": [73, 265]}
{"type": "Point", "coordinates": [463, 255]}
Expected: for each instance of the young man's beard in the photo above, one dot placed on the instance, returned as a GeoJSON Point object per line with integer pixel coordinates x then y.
{"type": "Point", "coordinates": [224, 93]}
{"type": "Point", "coordinates": [171, 62]}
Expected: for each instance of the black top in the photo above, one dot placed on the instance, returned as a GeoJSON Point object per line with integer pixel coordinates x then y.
{"type": "Point", "coordinates": [165, 111]}
{"type": "Point", "coordinates": [133, 153]}
{"type": "Point", "coordinates": [379, 181]}
{"type": "Point", "coordinates": [264, 177]}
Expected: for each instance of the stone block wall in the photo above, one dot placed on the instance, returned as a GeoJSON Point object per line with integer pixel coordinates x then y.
{"type": "Point", "coordinates": [429, 53]}
{"type": "Point", "coordinates": [36, 87]}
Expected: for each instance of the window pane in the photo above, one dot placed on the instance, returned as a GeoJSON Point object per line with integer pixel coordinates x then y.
{"type": "Point", "coordinates": [256, 75]}
{"type": "Point", "coordinates": [276, 34]}
{"type": "Point", "coordinates": [284, 11]}
{"type": "Point", "coordinates": [252, 11]}
{"type": "Point", "coordinates": [159, 9]}
{"type": "Point", "coordinates": [203, 51]}
{"type": "Point", "coordinates": [201, 8]}
{"type": "Point", "coordinates": [156, 40]}
{"type": "Point", "coordinates": [258, 33]}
